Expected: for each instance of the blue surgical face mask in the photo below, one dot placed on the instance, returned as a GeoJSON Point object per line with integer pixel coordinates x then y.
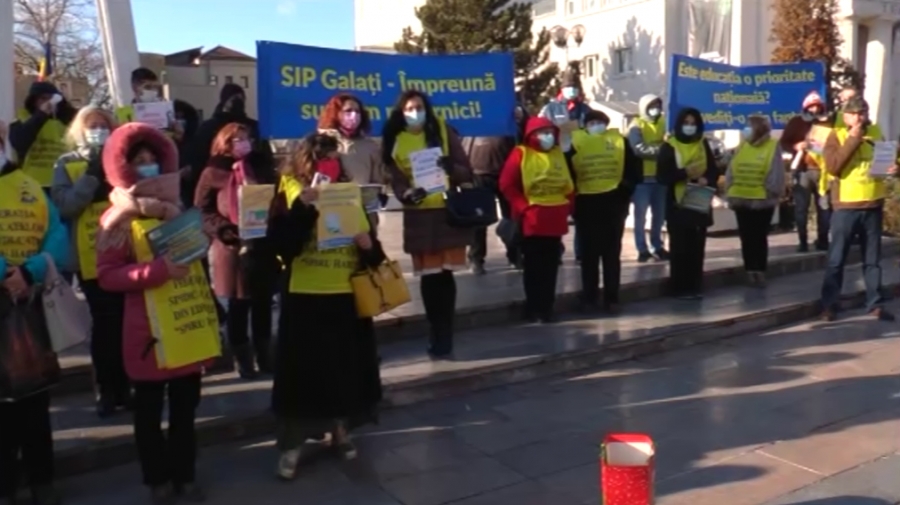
{"type": "Point", "coordinates": [689, 130]}
{"type": "Point", "coordinates": [96, 136]}
{"type": "Point", "coordinates": [569, 92]}
{"type": "Point", "coordinates": [596, 128]}
{"type": "Point", "coordinates": [148, 171]}
{"type": "Point", "coordinates": [747, 133]}
{"type": "Point", "coordinates": [547, 141]}
{"type": "Point", "coordinates": [414, 117]}
{"type": "Point", "coordinates": [654, 112]}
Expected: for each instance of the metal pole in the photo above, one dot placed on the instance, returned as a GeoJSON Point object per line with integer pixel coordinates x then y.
{"type": "Point", "coordinates": [120, 50]}
{"type": "Point", "coordinates": [7, 70]}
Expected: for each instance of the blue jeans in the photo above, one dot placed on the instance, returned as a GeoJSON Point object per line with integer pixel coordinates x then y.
{"type": "Point", "coordinates": [650, 196]}
{"type": "Point", "coordinates": [845, 223]}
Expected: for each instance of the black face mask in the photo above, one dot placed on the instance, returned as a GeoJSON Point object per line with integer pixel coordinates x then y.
{"type": "Point", "coordinates": [235, 105]}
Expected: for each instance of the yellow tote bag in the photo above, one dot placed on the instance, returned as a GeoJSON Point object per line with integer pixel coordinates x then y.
{"type": "Point", "coordinates": [379, 290]}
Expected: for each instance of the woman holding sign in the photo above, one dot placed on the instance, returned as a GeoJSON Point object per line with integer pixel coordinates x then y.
{"type": "Point", "coordinates": [754, 184]}
{"type": "Point", "coordinates": [171, 328]}
{"type": "Point", "coordinates": [327, 377]}
{"type": "Point", "coordinates": [244, 265]}
{"type": "Point", "coordinates": [687, 167]}
{"type": "Point", "coordinates": [424, 158]}
{"type": "Point", "coordinates": [81, 192]}
{"type": "Point", "coordinates": [347, 120]}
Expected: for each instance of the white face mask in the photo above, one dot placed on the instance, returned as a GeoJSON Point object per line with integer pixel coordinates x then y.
{"type": "Point", "coordinates": [689, 130]}
{"type": "Point", "coordinates": [149, 95]}
{"type": "Point", "coordinates": [596, 128]}
{"type": "Point", "coordinates": [653, 112]}
{"type": "Point", "coordinates": [747, 133]}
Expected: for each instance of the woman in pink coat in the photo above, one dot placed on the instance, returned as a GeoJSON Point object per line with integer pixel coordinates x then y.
{"type": "Point", "coordinates": [141, 165]}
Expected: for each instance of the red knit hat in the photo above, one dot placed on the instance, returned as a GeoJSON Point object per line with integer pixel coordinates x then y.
{"type": "Point", "coordinates": [814, 98]}
{"type": "Point", "coordinates": [118, 171]}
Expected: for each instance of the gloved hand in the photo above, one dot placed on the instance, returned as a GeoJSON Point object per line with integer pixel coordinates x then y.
{"type": "Point", "coordinates": [415, 195]}
{"type": "Point", "coordinates": [95, 163]}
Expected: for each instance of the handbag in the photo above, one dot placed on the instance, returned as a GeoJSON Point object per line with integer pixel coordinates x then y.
{"type": "Point", "coordinates": [470, 207]}
{"type": "Point", "coordinates": [510, 232]}
{"type": "Point", "coordinates": [68, 316]}
{"type": "Point", "coordinates": [379, 290]}
{"type": "Point", "coordinates": [28, 364]}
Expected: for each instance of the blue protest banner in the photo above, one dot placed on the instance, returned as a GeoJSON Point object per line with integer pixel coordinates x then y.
{"type": "Point", "coordinates": [475, 93]}
{"type": "Point", "coordinates": [726, 95]}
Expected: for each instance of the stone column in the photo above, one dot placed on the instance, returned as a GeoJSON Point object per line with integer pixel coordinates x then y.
{"type": "Point", "coordinates": [879, 73]}
{"type": "Point", "coordinates": [120, 51]}
{"type": "Point", "coordinates": [7, 73]}
{"type": "Point", "coordinates": [849, 29]}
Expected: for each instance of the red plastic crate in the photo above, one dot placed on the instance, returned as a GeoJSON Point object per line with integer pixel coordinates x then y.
{"type": "Point", "coordinates": [627, 469]}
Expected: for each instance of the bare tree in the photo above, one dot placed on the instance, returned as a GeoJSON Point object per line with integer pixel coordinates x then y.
{"type": "Point", "coordinates": [70, 26]}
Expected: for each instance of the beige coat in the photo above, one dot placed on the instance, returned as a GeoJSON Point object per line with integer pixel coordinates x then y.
{"type": "Point", "coordinates": [360, 158]}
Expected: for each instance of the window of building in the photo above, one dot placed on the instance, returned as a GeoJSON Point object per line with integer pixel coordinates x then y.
{"type": "Point", "coordinates": [229, 79]}
{"type": "Point", "coordinates": [590, 66]}
{"type": "Point", "coordinates": [214, 80]}
{"type": "Point", "coordinates": [245, 81]}
{"type": "Point", "coordinates": [544, 7]}
{"type": "Point", "coordinates": [571, 7]}
{"type": "Point", "coordinates": [589, 5]}
{"type": "Point", "coordinates": [623, 60]}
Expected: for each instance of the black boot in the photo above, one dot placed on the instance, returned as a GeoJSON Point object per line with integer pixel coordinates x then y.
{"type": "Point", "coordinates": [243, 354]}
{"type": "Point", "coordinates": [263, 356]}
{"type": "Point", "coordinates": [106, 404]}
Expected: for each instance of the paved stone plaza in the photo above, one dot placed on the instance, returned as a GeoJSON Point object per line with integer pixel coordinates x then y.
{"type": "Point", "coordinates": [744, 421]}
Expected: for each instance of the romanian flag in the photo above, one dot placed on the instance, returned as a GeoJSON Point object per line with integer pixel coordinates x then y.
{"type": "Point", "coordinates": [46, 68]}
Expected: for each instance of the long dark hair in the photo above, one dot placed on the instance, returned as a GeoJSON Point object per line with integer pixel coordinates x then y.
{"type": "Point", "coordinates": [302, 162]}
{"type": "Point", "coordinates": [396, 124]}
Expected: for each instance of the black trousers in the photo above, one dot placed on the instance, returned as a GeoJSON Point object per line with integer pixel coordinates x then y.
{"type": "Point", "coordinates": [169, 458]}
{"type": "Point", "coordinates": [256, 311]}
{"type": "Point", "coordinates": [600, 225]}
{"type": "Point", "coordinates": [478, 249]}
{"type": "Point", "coordinates": [687, 249]}
{"type": "Point", "coordinates": [107, 311]}
{"type": "Point", "coordinates": [540, 267]}
{"type": "Point", "coordinates": [439, 298]}
{"type": "Point", "coordinates": [25, 428]}
{"type": "Point", "coordinates": [753, 229]}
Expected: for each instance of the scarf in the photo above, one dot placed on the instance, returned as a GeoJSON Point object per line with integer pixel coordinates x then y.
{"type": "Point", "coordinates": [156, 198]}
{"type": "Point", "coordinates": [241, 174]}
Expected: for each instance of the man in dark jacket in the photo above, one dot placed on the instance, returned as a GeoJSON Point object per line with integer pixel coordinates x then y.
{"type": "Point", "coordinates": [487, 155]}
{"type": "Point", "coordinates": [231, 109]}
{"type": "Point", "coordinates": [37, 136]}
{"type": "Point", "coordinates": [188, 121]}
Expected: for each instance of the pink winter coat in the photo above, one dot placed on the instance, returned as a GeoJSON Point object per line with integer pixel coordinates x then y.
{"type": "Point", "coordinates": [118, 269]}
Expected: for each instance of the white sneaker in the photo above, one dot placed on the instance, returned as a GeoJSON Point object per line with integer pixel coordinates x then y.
{"type": "Point", "coordinates": [287, 464]}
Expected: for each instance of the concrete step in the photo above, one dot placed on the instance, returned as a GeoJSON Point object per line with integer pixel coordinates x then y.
{"type": "Point", "coordinates": [233, 409]}
{"type": "Point", "coordinates": [482, 303]}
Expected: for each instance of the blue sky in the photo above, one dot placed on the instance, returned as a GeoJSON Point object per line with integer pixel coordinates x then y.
{"type": "Point", "coordinates": [168, 26]}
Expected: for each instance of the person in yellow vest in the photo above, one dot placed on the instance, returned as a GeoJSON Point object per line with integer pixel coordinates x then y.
{"type": "Point", "coordinates": [605, 171]}
{"type": "Point", "coordinates": [802, 137]}
{"type": "Point", "coordinates": [170, 330]}
{"type": "Point", "coordinates": [537, 182]}
{"type": "Point", "coordinates": [38, 134]}
{"type": "Point", "coordinates": [327, 377]}
{"type": "Point", "coordinates": [81, 193]}
{"type": "Point", "coordinates": [437, 249]}
{"type": "Point", "coordinates": [754, 184]}
{"type": "Point", "coordinates": [857, 200]}
{"type": "Point", "coordinates": [645, 136]}
{"type": "Point", "coordinates": [30, 228]}
{"type": "Point", "coordinates": [843, 97]}
{"type": "Point", "coordinates": [686, 159]}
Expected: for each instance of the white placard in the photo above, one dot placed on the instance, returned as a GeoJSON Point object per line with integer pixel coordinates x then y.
{"type": "Point", "coordinates": [426, 170]}
{"type": "Point", "coordinates": [156, 114]}
{"type": "Point", "coordinates": [884, 156]}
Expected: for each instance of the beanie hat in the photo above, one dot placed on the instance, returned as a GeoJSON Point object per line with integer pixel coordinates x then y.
{"type": "Point", "coordinates": [595, 115]}
{"type": "Point", "coordinates": [229, 90]}
{"type": "Point", "coordinates": [814, 98]}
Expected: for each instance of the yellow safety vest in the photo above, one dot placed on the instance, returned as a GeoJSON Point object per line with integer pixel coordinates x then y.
{"type": "Point", "coordinates": [686, 155]}
{"type": "Point", "coordinates": [48, 146]}
{"type": "Point", "coordinates": [855, 183]}
{"type": "Point", "coordinates": [599, 161]}
{"type": "Point", "coordinates": [24, 217]}
{"type": "Point", "coordinates": [749, 169]}
{"type": "Point", "coordinates": [546, 180]}
{"type": "Point", "coordinates": [182, 313]}
{"type": "Point", "coordinates": [408, 143]}
{"type": "Point", "coordinates": [652, 133]}
{"type": "Point", "coordinates": [125, 114]}
{"type": "Point", "coordinates": [86, 226]}
{"type": "Point", "coordinates": [320, 272]}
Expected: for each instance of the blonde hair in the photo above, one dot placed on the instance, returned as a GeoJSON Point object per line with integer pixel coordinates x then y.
{"type": "Point", "coordinates": [75, 134]}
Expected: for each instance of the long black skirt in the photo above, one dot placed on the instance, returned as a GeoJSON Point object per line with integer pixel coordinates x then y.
{"type": "Point", "coordinates": [326, 365]}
